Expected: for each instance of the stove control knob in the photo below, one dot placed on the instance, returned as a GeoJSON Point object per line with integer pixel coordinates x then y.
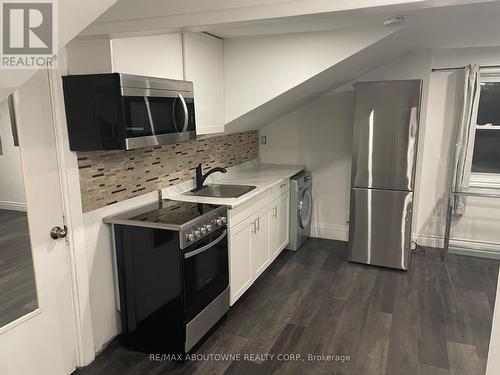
{"type": "Point", "coordinates": [219, 221]}
{"type": "Point", "coordinates": [197, 233]}
{"type": "Point", "coordinates": [209, 227]}
{"type": "Point", "coordinates": [203, 231]}
{"type": "Point", "coordinates": [190, 237]}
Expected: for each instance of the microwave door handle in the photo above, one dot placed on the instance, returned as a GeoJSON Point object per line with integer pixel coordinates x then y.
{"type": "Point", "coordinates": [186, 114]}
{"type": "Point", "coordinates": [206, 247]}
{"type": "Point", "coordinates": [173, 115]}
{"type": "Point", "coordinates": [150, 116]}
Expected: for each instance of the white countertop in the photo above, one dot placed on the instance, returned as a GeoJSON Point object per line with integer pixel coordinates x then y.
{"type": "Point", "coordinates": [263, 176]}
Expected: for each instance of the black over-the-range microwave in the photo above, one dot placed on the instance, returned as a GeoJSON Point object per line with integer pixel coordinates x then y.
{"type": "Point", "coordinates": [123, 111]}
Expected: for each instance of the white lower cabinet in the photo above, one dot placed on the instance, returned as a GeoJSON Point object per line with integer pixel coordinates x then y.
{"type": "Point", "coordinates": [280, 220]}
{"type": "Point", "coordinates": [261, 246]}
{"type": "Point", "coordinates": [256, 241]}
{"type": "Point", "coordinates": [240, 260]}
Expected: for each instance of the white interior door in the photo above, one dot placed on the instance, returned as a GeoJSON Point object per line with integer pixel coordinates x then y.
{"type": "Point", "coordinates": [43, 341]}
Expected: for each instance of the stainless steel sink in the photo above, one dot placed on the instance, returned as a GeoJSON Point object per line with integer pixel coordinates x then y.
{"type": "Point", "coordinates": [221, 191]}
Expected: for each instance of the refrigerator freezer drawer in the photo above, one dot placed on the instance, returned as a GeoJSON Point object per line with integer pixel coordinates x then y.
{"type": "Point", "coordinates": [385, 134]}
{"type": "Point", "coordinates": [380, 227]}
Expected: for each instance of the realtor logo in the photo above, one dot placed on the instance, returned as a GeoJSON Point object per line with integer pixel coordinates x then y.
{"type": "Point", "coordinates": [28, 35]}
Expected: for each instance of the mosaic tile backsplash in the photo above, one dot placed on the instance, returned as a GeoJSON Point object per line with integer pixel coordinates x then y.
{"type": "Point", "coordinates": [108, 177]}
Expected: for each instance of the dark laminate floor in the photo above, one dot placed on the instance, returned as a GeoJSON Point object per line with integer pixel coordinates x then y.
{"type": "Point", "coordinates": [17, 281]}
{"type": "Point", "coordinates": [434, 319]}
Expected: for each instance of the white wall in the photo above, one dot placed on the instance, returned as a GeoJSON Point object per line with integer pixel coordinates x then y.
{"type": "Point", "coordinates": [12, 194]}
{"type": "Point", "coordinates": [257, 69]}
{"type": "Point", "coordinates": [319, 136]}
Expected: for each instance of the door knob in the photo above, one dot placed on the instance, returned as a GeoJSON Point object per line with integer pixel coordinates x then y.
{"type": "Point", "coordinates": [58, 232]}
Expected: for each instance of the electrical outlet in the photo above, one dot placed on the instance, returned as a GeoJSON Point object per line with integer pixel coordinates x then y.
{"type": "Point", "coordinates": [263, 140]}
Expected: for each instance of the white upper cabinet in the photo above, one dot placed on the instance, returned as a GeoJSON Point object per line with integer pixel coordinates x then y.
{"type": "Point", "coordinates": [204, 66]}
{"type": "Point", "coordinates": [155, 56]}
{"type": "Point", "coordinates": [196, 57]}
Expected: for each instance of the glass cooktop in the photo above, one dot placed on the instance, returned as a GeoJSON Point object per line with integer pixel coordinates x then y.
{"type": "Point", "coordinates": [174, 213]}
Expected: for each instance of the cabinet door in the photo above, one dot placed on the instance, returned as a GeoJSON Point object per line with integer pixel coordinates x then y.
{"type": "Point", "coordinates": [204, 66]}
{"type": "Point", "coordinates": [284, 219]}
{"type": "Point", "coordinates": [154, 56]}
{"type": "Point", "coordinates": [279, 224]}
{"type": "Point", "coordinates": [240, 259]}
{"type": "Point", "coordinates": [275, 229]}
{"type": "Point", "coordinates": [261, 246]}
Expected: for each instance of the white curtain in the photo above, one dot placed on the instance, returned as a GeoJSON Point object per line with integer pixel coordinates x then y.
{"type": "Point", "coordinates": [466, 133]}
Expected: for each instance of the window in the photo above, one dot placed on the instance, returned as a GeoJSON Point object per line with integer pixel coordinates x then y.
{"type": "Point", "coordinates": [486, 156]}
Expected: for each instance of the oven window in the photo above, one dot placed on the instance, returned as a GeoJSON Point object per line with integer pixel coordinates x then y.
{"type": "Point", "coordinates": [206, 275]}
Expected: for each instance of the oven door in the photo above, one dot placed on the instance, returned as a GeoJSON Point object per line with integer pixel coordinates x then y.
{"type": "Point", "coordinates": [206, 272]}
{"type": "Point", "coordinates": [160, 119]}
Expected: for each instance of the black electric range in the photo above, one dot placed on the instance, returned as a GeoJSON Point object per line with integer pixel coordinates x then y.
{"type": "Point", "coordinates": [173, 274]}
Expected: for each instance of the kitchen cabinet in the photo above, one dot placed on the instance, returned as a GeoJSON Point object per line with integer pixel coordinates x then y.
{"type": "Point", "coordinates": [240, 259]}
{"type": "Point", "coordinates": [249, 252]}
{"type": "Point", "coordinates": [196, 57]}
{"type": "Point", "coordinates": [155, 56]}
{"type": "Point", "coordinates": [204, 66]}
{"type": "Point", "coordinates": [258, 232]}
{"type": "Point", "coordinates": [280, 220]}
{"type": "Point", "coordinates": [260, 243]}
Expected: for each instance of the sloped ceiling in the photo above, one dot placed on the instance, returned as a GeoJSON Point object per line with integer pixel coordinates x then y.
{"type": "Point", "coordinates": [463, 26]}
{"type": "Point", "coordinates": [258, 69]}
{"type": "Point", "coordinates": [335, 76]}
{"type": "Point", "coordinates": [147, 16]}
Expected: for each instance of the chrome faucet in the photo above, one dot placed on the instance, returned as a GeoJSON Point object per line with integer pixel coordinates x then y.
{"type": "Point", "coordinates": [200, 177]}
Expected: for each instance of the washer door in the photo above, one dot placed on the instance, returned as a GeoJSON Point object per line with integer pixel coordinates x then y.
{"type": "Point", "coordinates": [305, 208]}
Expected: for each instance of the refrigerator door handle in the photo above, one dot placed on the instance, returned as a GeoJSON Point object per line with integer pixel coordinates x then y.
{"type": "Point", "coordinates": [412, 141]}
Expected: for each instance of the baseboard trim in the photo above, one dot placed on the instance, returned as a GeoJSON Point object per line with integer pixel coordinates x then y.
{"type": "Point", "coordinates": [13, 206]}
{"type": "Point", "coordinates": [330, 231]}
{"type": "Point", "coordinates": [462, 246]}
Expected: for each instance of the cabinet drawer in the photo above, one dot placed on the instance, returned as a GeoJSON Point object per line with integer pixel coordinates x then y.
{"type": "Point", "coordinates": [280, 189]}
{"type": "Point", "coordinates": [247, 209]}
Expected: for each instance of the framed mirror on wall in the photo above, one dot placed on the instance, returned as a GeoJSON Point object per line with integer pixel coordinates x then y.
{"type": "Point", "coordinates": [18, 293]}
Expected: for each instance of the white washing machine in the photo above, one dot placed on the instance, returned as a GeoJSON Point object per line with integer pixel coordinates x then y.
{"type": "Point", "coordinates": [300, 209]}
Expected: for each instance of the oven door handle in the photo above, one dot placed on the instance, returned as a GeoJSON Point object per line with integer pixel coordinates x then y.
{"type": "Point", "coordinates": [206, 247]}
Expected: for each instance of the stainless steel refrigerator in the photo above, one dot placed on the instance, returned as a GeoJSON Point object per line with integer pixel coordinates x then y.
{"type": "Point", "coordinates": [385, 134]}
